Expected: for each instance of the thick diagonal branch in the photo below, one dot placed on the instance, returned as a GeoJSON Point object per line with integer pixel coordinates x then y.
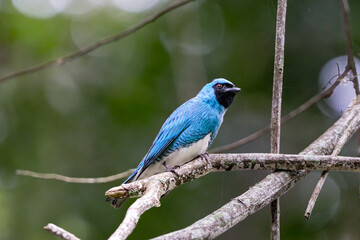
{"type": "Point", "coordinates": [353, 126]}
{"type": "Point", "coordinates": [350, 66]}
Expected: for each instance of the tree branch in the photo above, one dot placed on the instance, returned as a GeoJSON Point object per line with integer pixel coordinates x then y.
{"type": "Point", "coordinates": [278, 77]}
{"type": "Point", "coordinates": [237, 209]}
{"type": "Point", "coordinates": [270, 188]}
{"type": "Point", "coordinates": [68, 58]}
{"type": "Point", "coordinates": [263, 193]}
{"type": "Point", "coordinates": [67, 179]}
{"type": "Point", "coordinates": [61, 233]}
{"type": "Point", "coordinates": [233, 162]}
{"type": "Point", "coordinates": [276, 106]}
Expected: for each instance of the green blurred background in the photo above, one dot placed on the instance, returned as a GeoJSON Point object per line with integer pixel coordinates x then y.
{"type": "Point", "coordinates": [98, 115]}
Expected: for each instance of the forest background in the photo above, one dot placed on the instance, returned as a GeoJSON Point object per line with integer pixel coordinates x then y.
{"type": "Point", "coordinates": [98, 115]}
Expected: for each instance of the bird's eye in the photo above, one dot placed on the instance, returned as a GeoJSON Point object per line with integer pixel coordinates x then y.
{"type": "Point", "coordinates": [219, 86]}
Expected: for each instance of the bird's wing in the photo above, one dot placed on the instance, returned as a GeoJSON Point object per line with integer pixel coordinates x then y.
{"type": "Point", "coordinates": [170, 131]}
{"type": "Point", "coordinates": [178, 122]}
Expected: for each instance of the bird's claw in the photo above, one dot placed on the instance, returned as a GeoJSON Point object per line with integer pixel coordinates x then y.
{"type": "Point", "coordinates": [204, 156]}
{"type": "Point", "coordinates": [171, 169]}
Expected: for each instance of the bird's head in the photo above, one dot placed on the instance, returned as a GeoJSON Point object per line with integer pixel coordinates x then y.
{"type": "Point", "coordinates": [220, 90]}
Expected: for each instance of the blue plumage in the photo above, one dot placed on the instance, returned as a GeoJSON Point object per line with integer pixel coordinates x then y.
{"type": "Point", "coordinates": [189, 130]}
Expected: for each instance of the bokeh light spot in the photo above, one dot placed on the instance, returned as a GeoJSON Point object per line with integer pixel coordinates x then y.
{"type": "Point", "coordinates": [63, 93]}
{"type": "Point", "coordinates": [201, 33]}
{"type": "Point", "coordinates": [342, 96]}
{"type": "Point", "coordinates": [60, 6]}
{"type": "Point", "coordinates": [135, 5]}
{"type": "Point", "coordinates": [35, 8]}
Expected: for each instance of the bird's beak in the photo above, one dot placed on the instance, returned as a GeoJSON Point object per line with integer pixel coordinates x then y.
{"type": "Point", "coordinates": [233, 89]}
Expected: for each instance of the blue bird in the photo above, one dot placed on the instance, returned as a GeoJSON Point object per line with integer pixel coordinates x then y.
{"type": "Point", "coordinates": [188, 132]}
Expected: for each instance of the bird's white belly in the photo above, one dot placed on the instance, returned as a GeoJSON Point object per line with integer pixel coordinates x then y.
{"type": "Point", "coordinates": [178, 157]}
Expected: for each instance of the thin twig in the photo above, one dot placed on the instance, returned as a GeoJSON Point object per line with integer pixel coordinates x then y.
{"type": "Point", "coordinates": [67, 179]}
{"type": "Point", "coordinates": [276, 106]}
{"type": "Point", "coordinates": [61, 233]}
{"type": "Point", "coordinates": [303, 107]}
{"type": "Point", "coordinates": [63, 60]}
{"type": "Point", "coordinates": [278, 77]}
{"type": "Point", "coordinates": [348, 41]}
{"type": "Point", "coordinates": [315, 194]}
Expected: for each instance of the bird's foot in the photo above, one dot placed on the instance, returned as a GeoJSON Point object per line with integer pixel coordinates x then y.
{"type": "Point", "coordinates": [171, 169]}
{"type": "Point", "coordinates": [204, 156]}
